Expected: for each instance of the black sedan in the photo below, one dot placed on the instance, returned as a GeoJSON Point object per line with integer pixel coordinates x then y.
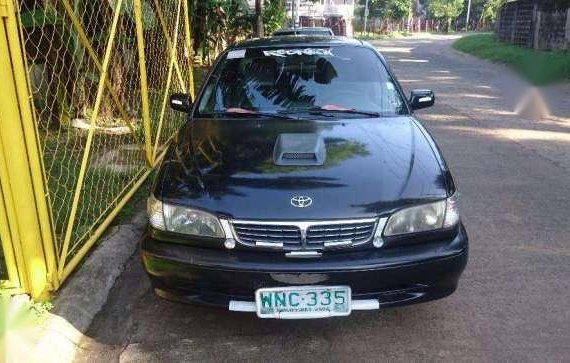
{"type": "Point", "coordinates": [302, 186]}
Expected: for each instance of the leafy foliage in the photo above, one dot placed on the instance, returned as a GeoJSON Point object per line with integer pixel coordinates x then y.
{"type": "Point", "coordinates": [274, 15]}
{"type": "Point", "coordinates": [219, 23]}
{"type": "Point", "coordinates": [400, 9]}
{"type": "Point", "coordinates": [240, 21]}
{"type": "Point", "coordinates": [390, 9]}
{"type": "Point", "coordinates": [490, 9]}
{"type": "Point", "coordinates": [445, 9]}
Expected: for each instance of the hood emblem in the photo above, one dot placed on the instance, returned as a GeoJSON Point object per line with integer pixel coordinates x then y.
{"type": "Point", "coordinates": [301, 201]}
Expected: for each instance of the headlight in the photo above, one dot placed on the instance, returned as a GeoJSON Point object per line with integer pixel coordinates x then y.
{"type": "Point", "coordinates": [423, 218]}
{"type": "Point", "coordinates": [183, 220]}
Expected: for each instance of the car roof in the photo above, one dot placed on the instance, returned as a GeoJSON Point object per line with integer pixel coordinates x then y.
{"type": "Point", "coordinates": [303, 28]}
{"type": "Point", "coordinates": [296, 40]}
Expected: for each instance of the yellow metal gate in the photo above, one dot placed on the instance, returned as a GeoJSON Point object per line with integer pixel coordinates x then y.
{"type": "Point", "coordinates": [83, 120]}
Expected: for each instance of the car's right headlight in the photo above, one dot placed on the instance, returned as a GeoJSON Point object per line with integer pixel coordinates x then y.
{"type": "Point", "coordinates": [184, 220]}
{"type": "Point", "coordinates": [423, 218]}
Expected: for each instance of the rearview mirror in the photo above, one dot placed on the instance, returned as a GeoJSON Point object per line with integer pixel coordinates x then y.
{"type": "Point", "coordinates": [422, 98]}
{"type": "Point", "coordinates": [180, 102]}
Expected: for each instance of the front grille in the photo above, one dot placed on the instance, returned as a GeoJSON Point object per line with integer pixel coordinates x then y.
{"type": "Point", "coordinates": [330, 233]}
{"type": "Point", "coordinates": [304, 235]}
{"type": "Point", "coordinates": [267, 233]}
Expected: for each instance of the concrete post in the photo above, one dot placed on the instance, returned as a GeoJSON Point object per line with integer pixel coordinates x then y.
{"type": "Point", "coordinates": [567, 46]}
{"type": "Point", "coordinates": [536, 33]}
{"type": "Point", "coordinates": [514, 23]}
{"type": "Point", "coordinates": [468, 15]}
{"type": "Point", "coordinates": [365, 16]}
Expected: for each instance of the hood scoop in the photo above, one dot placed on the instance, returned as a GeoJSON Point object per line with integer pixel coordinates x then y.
{"type": "Point", "coordinates": [299, 149]}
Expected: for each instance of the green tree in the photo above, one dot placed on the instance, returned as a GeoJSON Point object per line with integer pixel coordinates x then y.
{"type": "Point", "coordinates": [240, 22]}
{"type": "Point", "coordinates": [446, 10]}
{"type": "Point", "coordinates": [390, 9]}
{"type": "Point", "coordinates": [490, 9]}
{"type": "Point", "coordinates": [399, 9]}
{"type": "Point", "coordinates": [274, 15]}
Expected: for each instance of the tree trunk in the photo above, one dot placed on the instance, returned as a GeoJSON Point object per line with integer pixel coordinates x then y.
{"type": "Point", "coordinates": [258, 19]}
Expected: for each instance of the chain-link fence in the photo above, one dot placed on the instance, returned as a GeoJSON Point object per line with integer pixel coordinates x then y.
{"type": "Point", "coordinates": [100, 73]}
{"type": "Point", "coordinates": [535, 24]}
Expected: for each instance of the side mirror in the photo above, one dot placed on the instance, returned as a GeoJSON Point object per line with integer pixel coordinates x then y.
{"type": "Point", "coordinates": [180, 102]}
{"type": "Point", "coordinates": [422, 98]}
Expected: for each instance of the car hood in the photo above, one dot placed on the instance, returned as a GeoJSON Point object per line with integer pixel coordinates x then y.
{"type": "Point", "coordinates": [372, 166]}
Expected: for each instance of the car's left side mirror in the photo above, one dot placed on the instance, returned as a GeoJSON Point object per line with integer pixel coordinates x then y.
{"type": "Point", "coordinates": [422, 98]}
{"type": "Point", "coordinates": [181, 102]}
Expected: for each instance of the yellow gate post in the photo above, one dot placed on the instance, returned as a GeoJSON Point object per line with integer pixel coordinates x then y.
{"type": "Point", "coordinates": [144, 84]}
{"type": "Point", "coordinates": [23, 184]}
{"type": "Point", "coordinates": [171, 64]}
{"type": "Point", "coordinates": [88, 142]}
{"type": "Point", "coordinates": [188, 46]}
{"type": "Point", "coordinates": [10, 246]}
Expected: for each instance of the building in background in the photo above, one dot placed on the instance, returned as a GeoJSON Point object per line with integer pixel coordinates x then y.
{"type": "Point", "coordinates": [334, 14]}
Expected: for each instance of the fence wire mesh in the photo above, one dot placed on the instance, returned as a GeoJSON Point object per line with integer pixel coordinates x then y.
{"type": "Point", "coordinates": [64, 44]}
{"type": "Point", "coordinates": [534, 25]}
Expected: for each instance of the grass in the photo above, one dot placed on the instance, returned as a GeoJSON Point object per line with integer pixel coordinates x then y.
{"type": "Point", "coordinates": [100, 187]}
{"type": "Point", "coordinates": [62, 153]}
{"type": "Point", "coordinates": [538, 67]}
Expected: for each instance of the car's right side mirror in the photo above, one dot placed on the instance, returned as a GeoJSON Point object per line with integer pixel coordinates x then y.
{"type": "Point", "coordinates": [181, 102]}
{"type": "Point", "coordinates": [422, 98]}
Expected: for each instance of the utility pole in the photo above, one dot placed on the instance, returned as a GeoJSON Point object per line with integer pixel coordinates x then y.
{"type": "Point", "coordinates": [293, 12]}
{"type": "Point", "coordinates": [258, 19]}
{"type": "Point", "coordinates": [365, 15]}
{"type": "Point", "coordinates": [468, 14]}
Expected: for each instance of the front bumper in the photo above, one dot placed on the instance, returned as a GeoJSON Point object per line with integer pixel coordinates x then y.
{"type": "Point", "coordinates": [391, 276]}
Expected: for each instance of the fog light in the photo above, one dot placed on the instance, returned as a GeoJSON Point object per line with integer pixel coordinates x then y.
{"type": "Point", "coordinates": [230, 243]}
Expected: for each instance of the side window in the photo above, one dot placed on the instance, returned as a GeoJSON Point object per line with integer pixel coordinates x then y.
{"type": "Point", "coordinates": [207, 102]}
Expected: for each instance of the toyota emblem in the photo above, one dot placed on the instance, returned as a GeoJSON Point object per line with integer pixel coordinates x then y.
{"type": "Point", "coordinates": [301, 201]}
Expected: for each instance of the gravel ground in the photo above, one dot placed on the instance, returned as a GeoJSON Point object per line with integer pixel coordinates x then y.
{"type": "Point", "coordinates": [513, 302]}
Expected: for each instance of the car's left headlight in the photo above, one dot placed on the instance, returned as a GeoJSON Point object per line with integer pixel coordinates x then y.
{"type": "Point", "coordinates": [423, 218]}
{"type": "Point", "coordinates": [184, 220]}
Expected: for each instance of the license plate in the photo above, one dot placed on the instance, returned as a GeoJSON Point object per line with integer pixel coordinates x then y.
{"type": "Point", "coordinates": [303, 302]}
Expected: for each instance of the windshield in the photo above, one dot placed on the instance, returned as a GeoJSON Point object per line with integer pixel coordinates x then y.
{"type": "Point", "coordinates": [296, 80]}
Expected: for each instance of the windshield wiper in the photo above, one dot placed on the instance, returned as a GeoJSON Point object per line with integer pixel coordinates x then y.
{"type": "Point", "coordinates": [320, 110]}
{"type": "Point", "coordinates": [249, 114]}
{"type": "Point", "coordinates": [328, 111]}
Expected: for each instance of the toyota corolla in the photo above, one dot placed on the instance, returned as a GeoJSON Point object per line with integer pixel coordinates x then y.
{"type": "Point", "coordinates": [303, 186]}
